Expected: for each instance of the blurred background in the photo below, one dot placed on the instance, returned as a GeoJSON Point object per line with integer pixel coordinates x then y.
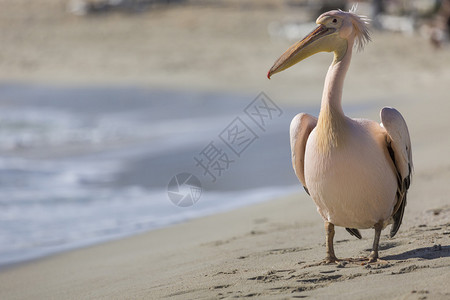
{"type": "Point", "coordinates": [103, 102]}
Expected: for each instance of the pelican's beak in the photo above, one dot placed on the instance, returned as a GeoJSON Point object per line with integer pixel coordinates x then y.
{"type": "Point", "coordinates": [311, 44]}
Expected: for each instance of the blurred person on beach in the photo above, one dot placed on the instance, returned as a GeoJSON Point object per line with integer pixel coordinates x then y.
{"type": "Point", "coordinates": [440, 28]}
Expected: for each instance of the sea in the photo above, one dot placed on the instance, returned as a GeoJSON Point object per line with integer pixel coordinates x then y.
{"type": "Point", "coordinates": [83, 165]}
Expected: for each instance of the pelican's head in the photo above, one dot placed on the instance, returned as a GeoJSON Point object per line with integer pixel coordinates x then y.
{"type": "Point", "coordinates": [337, 31]}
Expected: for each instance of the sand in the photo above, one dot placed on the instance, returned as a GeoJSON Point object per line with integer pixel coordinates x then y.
{"type": "Point", "coordinates": [269, 250]}
{"type": "Point", "coordinates": [266, 251]}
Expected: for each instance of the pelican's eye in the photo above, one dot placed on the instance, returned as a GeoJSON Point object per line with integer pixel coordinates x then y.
{"type": "Point", "coordinates": [334, 20]}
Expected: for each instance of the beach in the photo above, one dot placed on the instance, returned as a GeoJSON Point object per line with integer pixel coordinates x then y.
{"type": "Point", "coordinates": [271, 249]}
{"type": "Point", "coordinates": [266, 251]}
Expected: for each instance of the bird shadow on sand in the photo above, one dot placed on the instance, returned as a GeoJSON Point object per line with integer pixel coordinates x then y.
{"type": "Point", "coordinates": [437, 251]}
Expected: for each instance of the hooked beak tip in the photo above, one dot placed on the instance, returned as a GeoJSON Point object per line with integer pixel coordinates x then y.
{"type": "Point", "coordinates": [268, 75]}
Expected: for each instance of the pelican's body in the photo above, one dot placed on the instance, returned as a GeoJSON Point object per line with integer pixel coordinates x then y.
{"type": "Point", "coordinates": [353, 184]}
{"type": "Point", "coordinates": [357, 171]}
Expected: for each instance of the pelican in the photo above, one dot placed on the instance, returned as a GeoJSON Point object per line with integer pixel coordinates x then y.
{"type": "Point", "coordinates": [356, 170]}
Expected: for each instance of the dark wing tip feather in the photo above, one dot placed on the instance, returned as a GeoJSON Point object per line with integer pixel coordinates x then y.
{"type": "Point", "coordinates": [306, 190]}
{"type": "Point", "coordinates": [354, 232]}
{"type": "Point", "coordinates": [398, 217]}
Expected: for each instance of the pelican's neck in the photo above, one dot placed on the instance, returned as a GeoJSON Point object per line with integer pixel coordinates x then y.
{"type": "Point", "coordinates": [331, 121]}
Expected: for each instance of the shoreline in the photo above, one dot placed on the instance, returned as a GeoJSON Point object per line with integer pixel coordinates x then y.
{"type": "Point", "coordinates": [186, 217]}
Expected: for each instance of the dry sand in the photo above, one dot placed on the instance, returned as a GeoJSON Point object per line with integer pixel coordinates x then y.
{"type": "Point", "coordinates": [270, 250]}
{"type": "Point", "coordinates": [265, 251]}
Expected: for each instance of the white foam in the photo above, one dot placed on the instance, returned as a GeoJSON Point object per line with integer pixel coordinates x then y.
{"type": "Point", "coordinates": [76, 221]}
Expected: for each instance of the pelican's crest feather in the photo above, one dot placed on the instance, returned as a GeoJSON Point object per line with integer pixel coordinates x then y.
{"type": "Point", "coordinates": [361, 26]}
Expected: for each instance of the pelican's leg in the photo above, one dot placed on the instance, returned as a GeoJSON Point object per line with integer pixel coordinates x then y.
{"type": "Point", "coordinates": [331, 257]}
{"type": "Point", "coordinates": [373, 257]}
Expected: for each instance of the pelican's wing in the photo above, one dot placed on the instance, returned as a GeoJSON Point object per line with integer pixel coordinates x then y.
{"type": "Point", "coordinates": [301, 126]}
{"type": "Point", "coordinates": [399, 146]}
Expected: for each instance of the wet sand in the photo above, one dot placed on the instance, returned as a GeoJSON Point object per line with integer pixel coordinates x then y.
{"type": "Point", "coordinates": [269, 250]}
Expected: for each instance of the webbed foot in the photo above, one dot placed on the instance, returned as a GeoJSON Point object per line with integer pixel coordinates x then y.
{"type": "Point", "coordinates": [373, 257]}
{"type": "Point", "coordinates": [330, 260]}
